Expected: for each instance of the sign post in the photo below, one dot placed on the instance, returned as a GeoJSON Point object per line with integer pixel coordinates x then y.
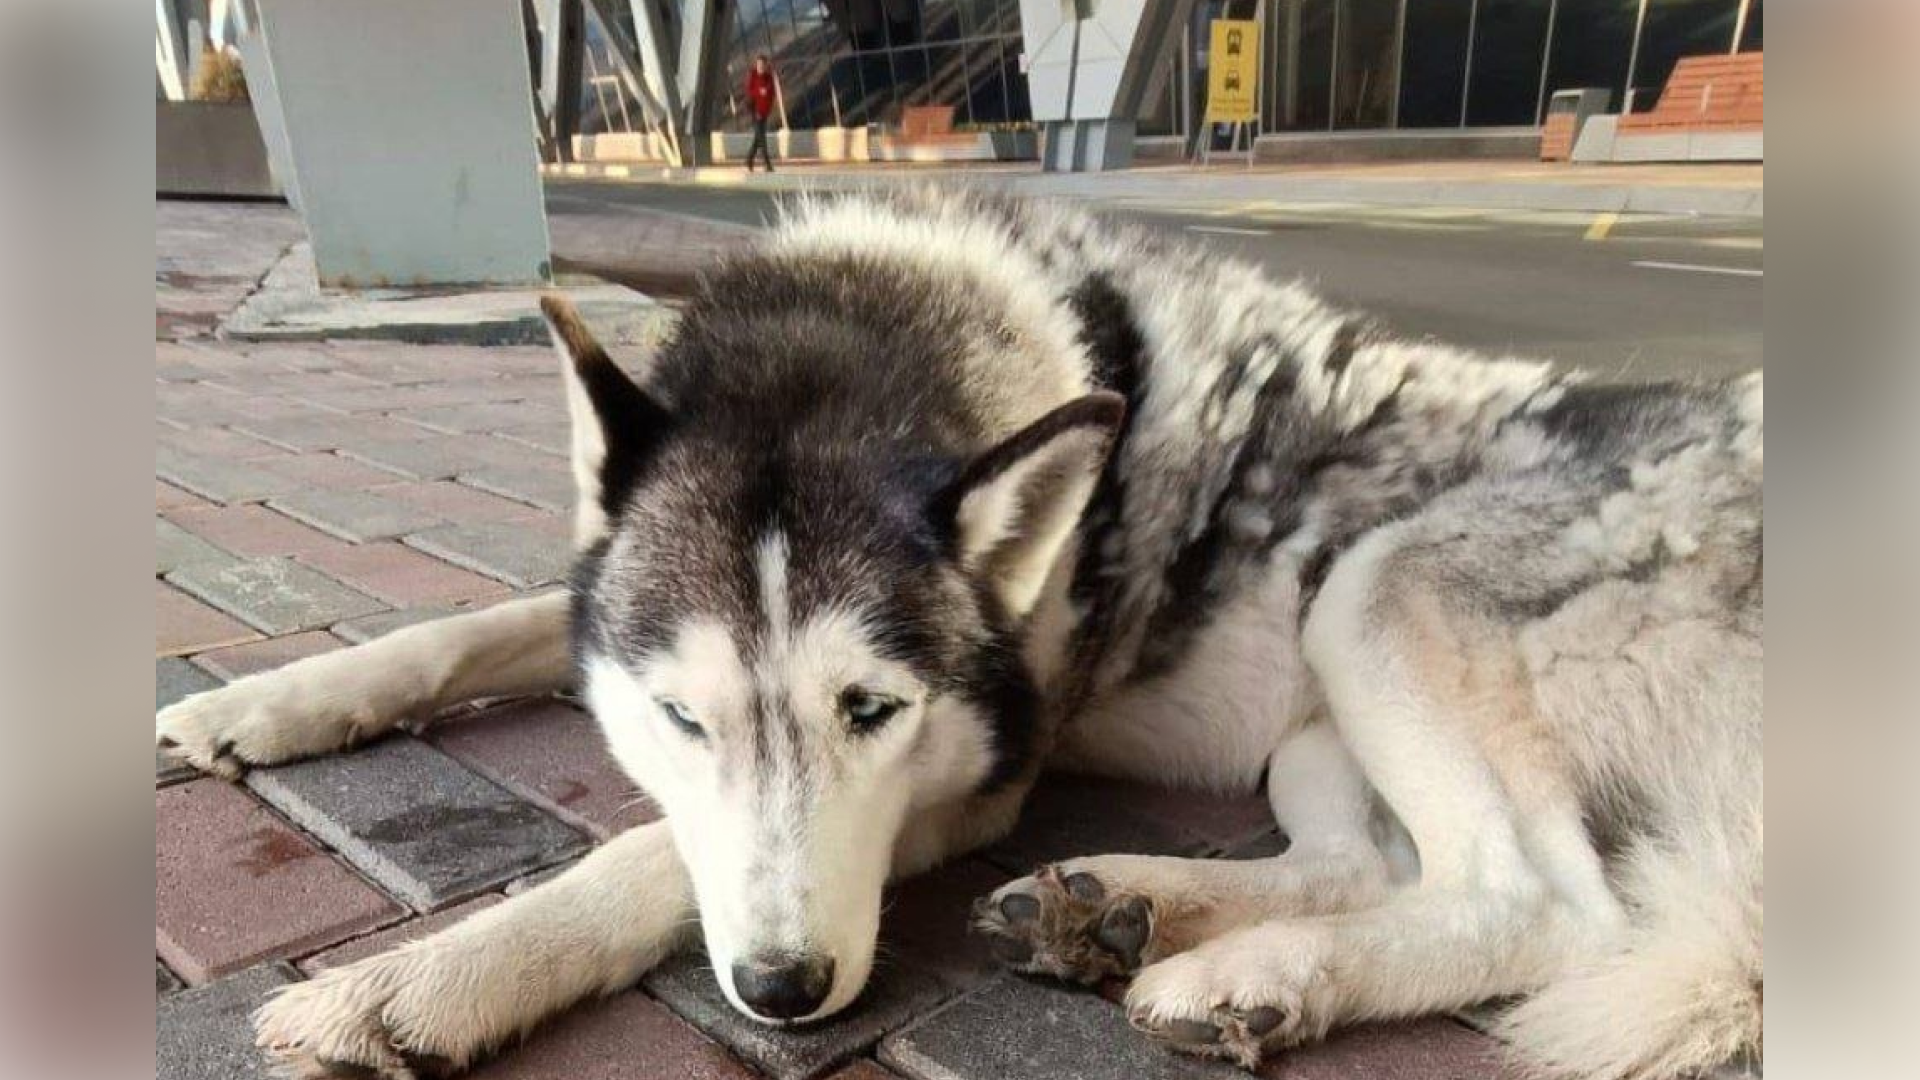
{"type": "Point", "coordinates": [1233, 82]}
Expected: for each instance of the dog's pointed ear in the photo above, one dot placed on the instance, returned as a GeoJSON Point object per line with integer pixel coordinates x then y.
{"type": "Point", "coordinates": [1012, 508]}
{"type": "Point", "coordinates": [615, 423]}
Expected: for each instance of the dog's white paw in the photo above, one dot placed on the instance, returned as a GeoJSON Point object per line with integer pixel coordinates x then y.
{"type": "Point", "coordinates": [277, 716]}
{"type": "Point", "coordinates": [1227, 1000]}
{"type": "Point", "coordinates": [367, 1020]}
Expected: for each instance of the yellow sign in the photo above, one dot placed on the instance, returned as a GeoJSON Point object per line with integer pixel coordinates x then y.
{"type": "Point", "coordinates": [1233, 72]}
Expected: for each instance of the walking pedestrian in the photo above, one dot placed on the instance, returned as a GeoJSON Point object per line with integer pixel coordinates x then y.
{"type": "Point", "coordinates": [762, 86]}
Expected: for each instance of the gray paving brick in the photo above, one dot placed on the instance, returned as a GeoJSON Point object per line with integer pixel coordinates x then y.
{"type": "Point", "coordinates": [1011, 1029]}
{"type": "Point", "coordinates": [1434, 1048]}
{"type": "Point", "coordinates": [535, 880]}
{"type": "Point", "coordinates": [278, 595]}
{"type": "Point", "coordinates": [174, 679]}
{"type": "Point", "coordinates": [221, 481]}
{"type": "Point", "coordinates": [555, 438]}
{"type": "Point", "coordinates": [893, 997]}
{"type": "Point", "coordinates": [206, 1033]}
{"type": "Point", "coordinates": [519, 555]}
{"type": "Point", "coordinates": [430, 458]}
{"type": "Point", "coordinates": [367, 627]}
{"type": "Point", "coordinates": [328, 432]}
{"type": "Point", "coordinates": [355, 515]}
{"type": "Point", "coordinates": [483, 416]}
{"type": "Point", "coordinates": [174, 548]}
{"type": "Point", "coordinates": [547, 484]}
{"type": "Point", "coordinates": [430, 390]}
{"type": "Point", "coordinates": [164, 982]}
{"type": "Point", "coordinates": [418, 822]}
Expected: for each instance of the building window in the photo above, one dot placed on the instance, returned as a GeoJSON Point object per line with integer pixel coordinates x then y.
{"type": "Point", "coordinates": [1301, 65]}
{"type": "Point", "coordinates": [1592, 40]}
{"type": "Point", "coordinates": [1367, 64]}
{"type": "Point", "coordinates": [1433, 71]}
{"type": "Point", "coordinates": [1509, 45]}
{"type": "Point", "coordinates": [1675, 29]}
{"type": "Point", "coordinates": [857, 62]}
{"type": "Point", "coordinates": [1753, 35]}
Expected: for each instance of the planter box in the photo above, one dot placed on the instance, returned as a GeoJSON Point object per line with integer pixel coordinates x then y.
{"type": "Point", "coordinates": [210, 150]}
{"type": "Point", "coordinates": [799, 144]}
{"type": "Point", "coordinates": [958, 146]}
{"type": "Point", "coordinates": [1015, 145]}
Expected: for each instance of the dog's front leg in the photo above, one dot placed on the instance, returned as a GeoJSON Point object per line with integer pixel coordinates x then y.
{"type": "Point", "coordinates": [331, 701]}
{"type": "Point", "coordinates": [439, 1003]}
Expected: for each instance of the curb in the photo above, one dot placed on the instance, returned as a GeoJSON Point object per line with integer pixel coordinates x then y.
{"type": "Point", "coordinates": [1748, 202]}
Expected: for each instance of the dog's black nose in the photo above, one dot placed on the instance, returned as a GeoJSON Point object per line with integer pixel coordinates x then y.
{"type": "Point", "coordinates": [783, 987]}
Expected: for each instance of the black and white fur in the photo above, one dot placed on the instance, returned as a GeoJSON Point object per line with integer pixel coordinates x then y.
{"type": "Point", "coordinates": [935, 489]}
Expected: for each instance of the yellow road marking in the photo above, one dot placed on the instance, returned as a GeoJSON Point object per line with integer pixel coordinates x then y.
{"type": "Point", "coordinates": [1602, 225]}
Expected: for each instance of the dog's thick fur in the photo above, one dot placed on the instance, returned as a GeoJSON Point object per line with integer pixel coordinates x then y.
{"type": "Point", "coordinates": [936, 488]}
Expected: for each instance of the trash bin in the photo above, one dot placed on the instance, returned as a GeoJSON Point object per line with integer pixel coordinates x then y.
{"type": "Point", "coordinates": [1567, 113]}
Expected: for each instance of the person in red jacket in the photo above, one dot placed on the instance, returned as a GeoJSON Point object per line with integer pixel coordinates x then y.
{"type": "Point", "coordinates": [761, 88]}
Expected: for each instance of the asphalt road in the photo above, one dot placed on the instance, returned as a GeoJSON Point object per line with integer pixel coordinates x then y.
{"type": "Point", "coordinates": [1627, 297]}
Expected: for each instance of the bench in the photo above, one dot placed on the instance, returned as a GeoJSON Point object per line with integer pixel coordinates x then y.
{"type": "Point", "coordinates": [1705, 94]}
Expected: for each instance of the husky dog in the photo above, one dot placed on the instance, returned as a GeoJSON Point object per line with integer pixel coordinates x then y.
{"type": "Point", "coordinates": [935, 489]}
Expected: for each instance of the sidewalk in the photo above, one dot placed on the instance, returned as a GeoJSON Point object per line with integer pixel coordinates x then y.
{"type": "Point", "coordinates": [1730, 190]}
{"type": "Point", "coordinates": [313, 495]}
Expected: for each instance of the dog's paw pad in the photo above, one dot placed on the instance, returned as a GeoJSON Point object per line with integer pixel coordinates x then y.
{"type": "Point", "coordinates": [1125, 929]}
{"type": "Point", "coordinates": [1240, 1035]}
{"type": "Point", "coordinates": [1067, 925]}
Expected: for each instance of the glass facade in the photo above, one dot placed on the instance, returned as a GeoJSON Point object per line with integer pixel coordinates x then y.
{"type": "Point", "coordinates": [1331, 65]}
{"type": "Point", "coordinates": [847, 63]}
{"type": "Point", "coordinates": [1337, 65]}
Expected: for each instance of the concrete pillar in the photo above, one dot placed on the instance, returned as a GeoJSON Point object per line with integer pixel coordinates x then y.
{"type": "Point", "coordinates": [410, 130]}
{"type": "Point", "coordinates": [1090, 65]}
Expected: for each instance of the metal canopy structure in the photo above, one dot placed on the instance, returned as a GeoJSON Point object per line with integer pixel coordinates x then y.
{"type": "Point", "coordinates": [1087, 64]}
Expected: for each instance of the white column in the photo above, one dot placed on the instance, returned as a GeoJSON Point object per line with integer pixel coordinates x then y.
{"type": "Point", "coordinates": [410, 129]}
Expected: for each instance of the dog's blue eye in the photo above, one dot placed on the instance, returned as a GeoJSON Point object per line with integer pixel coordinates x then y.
{"type": "Point", "coordinates": [867, 711]}
{"type": "Point", "coordinates": [682, 719]}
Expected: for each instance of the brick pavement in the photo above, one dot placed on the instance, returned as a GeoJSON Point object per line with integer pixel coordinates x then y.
{"type": "Point", "coordinates": [318, 494]}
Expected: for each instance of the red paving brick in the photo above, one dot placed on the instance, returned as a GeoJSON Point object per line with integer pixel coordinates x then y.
{"type": "Point", "coordinates": [184, 625]}
{"type": "Point", "coordinates": [455, 501]}
{"type": "Point", "coordinates": [552, 754]}
{"type": "Point", "coordinates": [234, 885]}
{"type": "Point", "coordinates": [620, 1038]}
{"type": "Point", "coordinates": [241, 660]}
{"type": "Point", "coordinates": [254, 531]}
{"type": "Point", "coordinates": [1435, 1049]}
{"type": "Point", "coordinates": [395, 936]}
{"type": "Point", "coordinates": [402, 576]}
{"type": "Point", "coordinates": [168, 497]}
